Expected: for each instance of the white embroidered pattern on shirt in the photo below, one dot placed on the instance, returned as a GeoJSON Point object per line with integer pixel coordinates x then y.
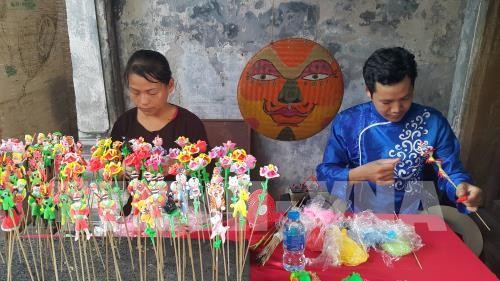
{"type": "Point", "coordinates": [408, 151]}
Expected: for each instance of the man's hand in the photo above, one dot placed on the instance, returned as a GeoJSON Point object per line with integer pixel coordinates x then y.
{"type": "Point", "coordinates": [473, 193]}
{"type": "Point", "coordinates": [379, 171]}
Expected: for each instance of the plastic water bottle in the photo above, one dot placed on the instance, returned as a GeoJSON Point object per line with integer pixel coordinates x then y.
{"type": "Point", "coordinates": [293, 243]}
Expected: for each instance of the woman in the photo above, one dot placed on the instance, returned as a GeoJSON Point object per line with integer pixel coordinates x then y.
{"type": "Point", "coordinates": [149, 82]}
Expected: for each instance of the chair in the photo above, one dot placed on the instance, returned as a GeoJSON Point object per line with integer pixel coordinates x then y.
{"type": "Point", "coordinates": [222, 130]}
{"type": "Point", "coordinates": [461, 224]}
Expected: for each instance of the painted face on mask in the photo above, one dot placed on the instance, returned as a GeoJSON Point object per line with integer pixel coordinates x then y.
{"type": "Point", "coordinates": [290, 90]}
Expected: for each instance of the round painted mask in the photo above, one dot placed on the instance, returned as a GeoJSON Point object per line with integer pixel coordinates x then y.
{"type": "Point", "coordinates": [290, 90]}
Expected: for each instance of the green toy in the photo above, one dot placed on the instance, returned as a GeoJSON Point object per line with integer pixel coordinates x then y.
{"type": "Point", "coordinates": [7, 201]}
{"type": "Point", "coordinates": [64, 203]}
{"type": "Point", "coordinates": [397, 247]}
{"type": "Point", "coordinates": [304, 276]}
{"type": "Point", "coordinates": [300, 276]}
{"type": "Point", "coordinates": [48, 209]}
{"type": "Point", "coordinates": [353, 277]}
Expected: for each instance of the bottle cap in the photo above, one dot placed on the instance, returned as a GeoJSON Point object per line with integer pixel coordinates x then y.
{"type": "Point", "coordinates": [293, 215]}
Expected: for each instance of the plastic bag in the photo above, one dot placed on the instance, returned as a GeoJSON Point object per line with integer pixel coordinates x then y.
{"type": "Point", "coordinates": [330, 255]}
{"type": "Point", "coordinates": [392, 238]}
{"type": "Point", "coordinates": [368, 229]}
{"type": "Point", "coordinates": [315, 219]}
{"type": "Point", "coordinates": [405, 241]}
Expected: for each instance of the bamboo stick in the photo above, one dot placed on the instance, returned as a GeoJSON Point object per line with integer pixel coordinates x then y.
{"type": "Point", "coordinates": [139, 249]}
{"type": "Point", "coordinates": [117, 267]}
{"type": "Point", "coordinates": [87, 269]}
{"type": "Point", "coordinates": [9, 258]}
{"type": "Point", "coordinates": [40, 248]}
{"type": "Point", "coordinates": [54, 260]}
{"type": "Point", "coordinates": [67, 261]}
{"type": "Point", "coordinates": [190, 249]}
{"type": "Point", "coordinates": [145, 259]}
{"type": "Point", "coordinates": [24, 253]}
{"type": "Point", "coordinates": [3, 260]}
{"type": "Point", "coordinates": [92, 262]}
{"type": "Point", "coordinates": [106, 243]}
{"type": "Point", "coordinates": [81, 258]}
{"type": "Point", "coordinates": [74, 260]}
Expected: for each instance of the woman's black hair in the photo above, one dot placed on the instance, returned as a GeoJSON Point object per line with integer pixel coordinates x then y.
{"type": "Point", "coordinates": [151, 65]}
{"type": "Point", "coordinates": [389, 66]}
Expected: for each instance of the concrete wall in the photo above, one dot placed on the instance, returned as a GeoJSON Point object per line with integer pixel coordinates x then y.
{"type": "Point", "coordinates": [209, 42]}
{"type": "Point", "coordinates": [35, 80]}
{"type": "Point", "coordinates": [87, 68]}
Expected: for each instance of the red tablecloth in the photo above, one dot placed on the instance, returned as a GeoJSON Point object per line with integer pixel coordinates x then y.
{"type": "Point", "coordinates": [443, 257]}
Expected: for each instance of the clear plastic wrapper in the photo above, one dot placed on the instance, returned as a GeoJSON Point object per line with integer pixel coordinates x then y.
{"type": "Point", "coordinates": [352, 252]}
{"type": "Point", "coordinates": [330, 255]}
{"type": "Point", "coordinates": [393, 238]}
{"type": "Point", "coordinates": [315, 219]}
{"type": "Point", "coordinates": [368, 229]}
{"type": "Point", "coordinates": [339, 249]}
{"type": "Point", "coordinates": [405, 241]}
{"type": "Point", "coordinates": [347, 240]}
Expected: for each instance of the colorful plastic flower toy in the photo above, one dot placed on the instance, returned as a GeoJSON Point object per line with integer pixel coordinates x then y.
{"type": "Point", "coordinates": [157, 198]}
{"type": "Point", "coordinates": [428, 151]}
{"type": "Point", "coordinates": [107, 210]}
{"type": "Point", "coordinates": [37, 179]}
{"type": "Point", "coordinates": [79, 212]}
{"type": "Point", "coordinates": [7, 200]}
{"type": "Point", "coordinates": [111, 170]}
{"type": "Point", "coordinates": [218, 229]}
{"type": "Point", "coordinates": [240, 207]}
{"type": "Point", "coordinates": [48, 209]}
{"type": "Point", "coordinates": [304, 276]}
{"type": "Point", "coordinates": [17, 149]}
{"type": "Point", "coordinates": [216, 204]}
{"type": "Point", "coordinates": [12, 218]}
{"type": "Point", "coordinates": [145, 217]}
{"type": "Point", "coordinates": [353, 277]}
{"type": "Point", "coordinates": [63, 201]}
{"type": "Point", "coordinates": [215, 193]}
{"type": "Point", "coordinates": [269, 172]}
{"type": "Point", "coordinates": [194, 193]}
{"type": "Point", "coordinates": [19, 191]}
{"type": "Point", "coordinates": [180, 189]}
{"type": "Point", "coordinates": [172, 211]}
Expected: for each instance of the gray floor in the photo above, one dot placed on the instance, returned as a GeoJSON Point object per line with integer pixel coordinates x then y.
{"type": "Point", "coordinates": [68, 271]}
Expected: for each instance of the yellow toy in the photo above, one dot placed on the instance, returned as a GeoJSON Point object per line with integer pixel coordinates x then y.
{"type": "Point", "coordinates": [240, 207]}
{"type": "Point", "coordinates": [351, 253]}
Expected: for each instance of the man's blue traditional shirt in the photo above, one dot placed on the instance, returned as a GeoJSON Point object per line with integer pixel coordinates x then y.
{"type": "Point", "coordinates": [360, 135]}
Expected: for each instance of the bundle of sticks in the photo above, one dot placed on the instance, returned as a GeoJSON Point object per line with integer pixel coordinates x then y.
{"type": "Point", "coordinates": [273, 237]}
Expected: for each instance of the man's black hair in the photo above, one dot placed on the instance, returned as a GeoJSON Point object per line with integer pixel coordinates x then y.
{"type": "Point", "coordinates": [389, 66]}
{"type": "Point", "coordinates": [151, 65]}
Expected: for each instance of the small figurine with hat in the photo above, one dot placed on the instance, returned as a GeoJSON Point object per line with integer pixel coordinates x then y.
{"type": "Point", "coordinates": [79, 212]}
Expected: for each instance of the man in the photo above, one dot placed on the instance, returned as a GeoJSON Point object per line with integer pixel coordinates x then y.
{"type": "Point", "coordinates": [379, 145]}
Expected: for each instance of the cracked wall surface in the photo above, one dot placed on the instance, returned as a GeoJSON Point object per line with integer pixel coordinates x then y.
{"type": "Point", "coordinates": [36, 87]}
